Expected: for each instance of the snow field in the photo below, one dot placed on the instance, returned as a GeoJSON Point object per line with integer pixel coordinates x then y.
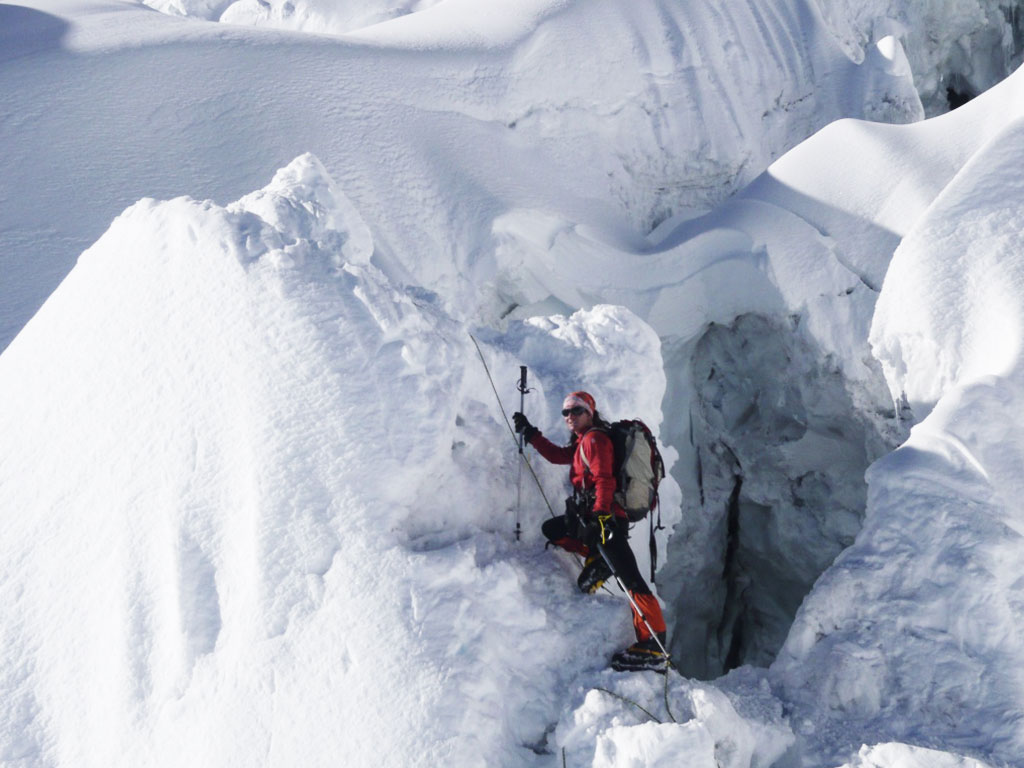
{"type": "Point", "coordinates": [232, 422]}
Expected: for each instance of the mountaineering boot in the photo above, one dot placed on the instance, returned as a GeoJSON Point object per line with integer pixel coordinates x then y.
{"type": "Point", "coordinates": [641, 655]}
{"type": "Point", "coordinates": [595, 573]}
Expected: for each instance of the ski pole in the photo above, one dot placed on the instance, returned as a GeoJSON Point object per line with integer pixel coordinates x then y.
{"type": "Point", "coordinates": [519, 472]}
{"type": "Point", "coordinates": [632, 602]}
{"type": "Point", "coordinates": [511, 429]}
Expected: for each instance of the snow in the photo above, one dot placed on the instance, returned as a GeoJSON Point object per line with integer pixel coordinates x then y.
{"type": "Point", "coordinates": [895, 755]}
{"type": "Point", "coordinates": [438, 124]}
{"type": "Point", "coordinates": [968, 45]}
{"type": "Point", "coordinates": [250, 387]}
{"type": "Point", "coordinates": [943, 530]}
{"type": "Point", "coordinates": [958, 318]}
{"type": "Point", "coordinates": [262, 496]}
{"type": "Point", "coordinates": [636, 724]}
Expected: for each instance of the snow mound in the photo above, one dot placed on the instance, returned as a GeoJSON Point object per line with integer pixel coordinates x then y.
{"type": "Point", "coordinates": [949, 312]}
{"type": "Point", "coordinates": [895, 755]}
{"type": "Point", "coordinates": [913, 634]}
{"type": "Point", "coordinates": [315, 16]}
{"type": "Point", "coordinates": [305, 211]}
{"type": "Point", "coordinates": [193, 354]}
{"type": "Point", "coordinates": [635, 720]}
{"type": "Point", "coordinates": [332, 17]}
{"type": "Point", "coordinates": [273, 474]}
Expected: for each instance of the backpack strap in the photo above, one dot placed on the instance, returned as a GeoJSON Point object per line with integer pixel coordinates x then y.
{"type": "Point", "coordinates": [583, 456]}
{"type": "Point", "coordinates": [653, 544]}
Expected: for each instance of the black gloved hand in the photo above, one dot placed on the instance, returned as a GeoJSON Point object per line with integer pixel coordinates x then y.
{"type": "Point", "coordinates": [524, 426]}
{"type": "Point", "coordinates": [599, 529]}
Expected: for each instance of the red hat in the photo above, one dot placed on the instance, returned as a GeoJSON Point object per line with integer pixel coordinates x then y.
{"type": "Point", "coordinates": [582, 399]}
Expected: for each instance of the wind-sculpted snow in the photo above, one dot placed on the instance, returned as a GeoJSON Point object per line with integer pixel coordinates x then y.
{"type": "Point", "coordinates": [965, 45]}
{"type": "Point", "coordinates": [916, 629]}
{"type": "Point", "coordinates": [604, 114]}
{"type": "Point", "coordinates": [956, 51]}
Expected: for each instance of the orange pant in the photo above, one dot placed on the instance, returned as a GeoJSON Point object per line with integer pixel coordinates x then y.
{"type": "Point", "coordinates": [623, 563]}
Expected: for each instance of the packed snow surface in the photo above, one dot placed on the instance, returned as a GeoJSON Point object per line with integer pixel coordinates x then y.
{"type": "Point", "coordinates": [262, 496]}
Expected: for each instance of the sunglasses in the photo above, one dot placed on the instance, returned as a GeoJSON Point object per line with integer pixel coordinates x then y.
{"type": "Point", "coordinates": [576, 410]}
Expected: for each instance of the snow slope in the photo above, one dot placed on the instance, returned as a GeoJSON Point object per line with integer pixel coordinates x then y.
{"type": "Point", "coordinates": [265, 498]}
{"type": "Point", "coordinates": [239, 427]}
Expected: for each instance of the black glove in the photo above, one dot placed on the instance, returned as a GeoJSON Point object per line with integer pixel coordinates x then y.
{"type": "Point", "coordinates": [599, 529]}
{"type": "Point", "coordinates": [523, 425]}
{"type": "Point", "coordinates": [572, 516]}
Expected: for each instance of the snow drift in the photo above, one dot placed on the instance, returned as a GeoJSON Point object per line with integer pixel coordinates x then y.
{"type": "Point", "coordinates": [927, 600]}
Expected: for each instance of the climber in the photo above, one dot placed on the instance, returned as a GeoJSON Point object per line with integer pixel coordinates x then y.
{"type": "Point", "coordinates": [592, 517]}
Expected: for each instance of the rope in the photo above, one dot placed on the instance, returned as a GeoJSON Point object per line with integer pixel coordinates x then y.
{"type": "Point", "coordinates": [628, 701]}
{"type": "Point", "coordinates": [669, 665]}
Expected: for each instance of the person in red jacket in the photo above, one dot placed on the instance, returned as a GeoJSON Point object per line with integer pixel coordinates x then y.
{"type": "Point", "coordinates": [592, 516]}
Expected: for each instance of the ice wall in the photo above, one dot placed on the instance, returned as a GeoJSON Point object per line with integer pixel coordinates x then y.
{"type": "Point", "coordinates": [781, 439]}
{"type": "Point", "coordinates": [955, 49]}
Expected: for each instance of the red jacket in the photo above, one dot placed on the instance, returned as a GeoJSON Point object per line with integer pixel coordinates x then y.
{"type": "Point", "coordinates": [594, 449]}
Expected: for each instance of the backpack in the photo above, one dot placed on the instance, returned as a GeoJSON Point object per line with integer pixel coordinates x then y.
{"type": "Point", "coordinates": [638, 467]}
